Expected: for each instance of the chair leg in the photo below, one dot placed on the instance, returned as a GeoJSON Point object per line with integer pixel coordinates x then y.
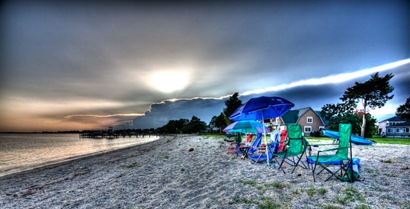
{"type": "Point", "coordinates": [313, 172]}
{"type": "Point", "coordinates": [296, 164]}
{"type": "Point", "coordinates": [331, 172]}
{"type": "Point", "coordinates": [325, 167]}
{"type": "Point", "coordinates": [280, 165]}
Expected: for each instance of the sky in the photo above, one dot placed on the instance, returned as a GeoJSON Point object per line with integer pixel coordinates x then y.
{"type": "Point", "coordinates": [94, 64]}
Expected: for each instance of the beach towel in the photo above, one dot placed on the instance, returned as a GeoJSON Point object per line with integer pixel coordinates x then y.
{"type": "Point", "coordinates": [275, 141]}
{"type": "Point", "coordinates": [283, 136]}
{"type": "Point", "coordinates": [249, 139]}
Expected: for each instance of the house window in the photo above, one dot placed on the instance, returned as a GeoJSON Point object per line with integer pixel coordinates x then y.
{"type": "Point", "coordinates": [321, 128]}
{"type": "Point", "coordinates": [309, 119]}
{"type": "Point", "coordinates": [390, 130]}
{"type": "Point", "coordinates": [308, 129]}
{"type": "Point", "coordinates": [407, 130]}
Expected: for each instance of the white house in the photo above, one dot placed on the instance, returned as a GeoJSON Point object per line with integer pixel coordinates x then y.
{"type": "Point", "coordinates": [394, 127]}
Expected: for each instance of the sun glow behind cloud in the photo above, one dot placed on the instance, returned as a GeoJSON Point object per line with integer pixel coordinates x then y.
{"type": "Point", "coordinates": [330, 79]}
{"type": "Point", "coordinates": [169, 81]}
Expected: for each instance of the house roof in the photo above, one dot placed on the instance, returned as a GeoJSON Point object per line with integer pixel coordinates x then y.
{"type": "Point", "coordinates": [293, 116]}
{"type": "Point", "coordinates": [395, 118]}
{"type": "Point", "coordinates": [406, 124]}
{"type": "Point", "coordinates": [321, 117]}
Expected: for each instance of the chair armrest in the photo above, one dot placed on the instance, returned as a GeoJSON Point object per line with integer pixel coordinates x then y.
{"type": "Point", "coordinates": [333, 149]}
{"type": "Point", "coordinates": [317, 145]}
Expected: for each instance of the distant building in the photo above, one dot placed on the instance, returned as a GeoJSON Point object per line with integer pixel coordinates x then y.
{"type": "Point", "coordinates": [309, 120]}
{"type": "Point", "coordinates": [394, 127]}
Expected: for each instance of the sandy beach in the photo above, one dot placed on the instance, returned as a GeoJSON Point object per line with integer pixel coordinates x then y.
{"type": "Point", "coordinates": [164, 174]}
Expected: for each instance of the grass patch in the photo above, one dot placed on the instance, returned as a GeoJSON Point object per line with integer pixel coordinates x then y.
{"type": "Point", "coordinates": [268, 204]}
{"type": "Point", "coordinates": [248, 182]}
{"type": "Point", "coordinates": [312, 191]}
{"type": "Point", "coordinates": [248, 201]}
{"type": "Point", "coordinates": [321, 191]}
{"type": "Point", "coordinates": [349, 194]}
{"type": "Point", "coordinates": [296, 192]}
{"type": "Point", "coordinates": [386, 161]}
{"type": "Point", "coordinates": [362, 206]}
{"type": "Point", "coordinates": [330, 207]}
{"type": "Point", "coordinates": [261, 188]}
{"type": "Point", "coordinates": [353, 193]}
{"type": "Point", "coordinates": [278, 185]}
{"type": "Point", "coordinates": [132, 165]}
{"type": "Point", "coordinates": [165, 156]}
{"type": "Point", "coordinates": [381, 140]}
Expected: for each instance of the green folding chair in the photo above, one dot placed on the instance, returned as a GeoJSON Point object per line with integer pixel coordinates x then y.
{"type": "Point", "coordinates": [340, 155]}
{"type": "Point", "coordinates": [294, 149]}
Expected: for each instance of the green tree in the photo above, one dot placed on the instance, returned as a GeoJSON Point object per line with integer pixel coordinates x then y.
{"type": "Point", "coordinates": [370, 125]}
{"type": "Point", "coordinates": [403, 111]}
{"type": "Point", "coordinates": [218, 122]}
{"type": "Point", "coordinates": [340, 113]}
{"type": "Point", "coordinates": [373, 93]}
{"type": "Point", "coordinates": [194, 126]}
{"type": "Point", "coordinates": [175, 126]}
{"type": "Point", "coordinates": [339, 110]}
{"type": "Point", "coordinates": [335, 114]}
{"type": "Point", "coordinates": [231, 105]}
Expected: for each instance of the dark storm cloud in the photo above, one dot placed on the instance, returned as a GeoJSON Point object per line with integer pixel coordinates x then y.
{"type": "Point", "coordinates": [160, 114]}
{"type": "Point", "coordinates": [314, 96]}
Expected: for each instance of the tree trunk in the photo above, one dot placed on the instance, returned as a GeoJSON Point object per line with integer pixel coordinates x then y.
{"type": "Point", "coordinates": [364, 118]}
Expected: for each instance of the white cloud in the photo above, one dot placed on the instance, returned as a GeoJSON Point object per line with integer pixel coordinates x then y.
{"type": "Point", "coordinates": [339, 78]}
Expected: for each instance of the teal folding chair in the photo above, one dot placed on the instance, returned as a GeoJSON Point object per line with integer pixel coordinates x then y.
{"type": "Point", "coordinates": [339, 154]}
{"type": "Point", "coordinates": [294, 149]}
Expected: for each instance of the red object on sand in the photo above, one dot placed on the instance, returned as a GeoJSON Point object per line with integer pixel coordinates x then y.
{"type": "Point", "coordinates": [283, 136]}
{"type": "Point", "coordinates": [249, 139]}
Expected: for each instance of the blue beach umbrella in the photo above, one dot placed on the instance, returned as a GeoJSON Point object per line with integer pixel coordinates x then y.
{"type": "Point", "coordinates": [246, 126]}
{"type": "Point", "coordinates": [261, 108]}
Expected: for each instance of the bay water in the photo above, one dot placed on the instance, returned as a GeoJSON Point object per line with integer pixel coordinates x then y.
{"type": "Point", "coordinates": [21, 152]}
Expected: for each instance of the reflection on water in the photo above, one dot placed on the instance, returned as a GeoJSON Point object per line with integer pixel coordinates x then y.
{"type": "Point", "coordinates": [19, 152]}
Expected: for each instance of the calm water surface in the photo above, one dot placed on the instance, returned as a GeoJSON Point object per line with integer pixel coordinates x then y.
{"type": "Point", "coordinates": [20, 152]}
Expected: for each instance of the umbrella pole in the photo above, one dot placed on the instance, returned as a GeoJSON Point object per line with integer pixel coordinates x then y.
{"type": "Point", "coordinates": [266, 143]}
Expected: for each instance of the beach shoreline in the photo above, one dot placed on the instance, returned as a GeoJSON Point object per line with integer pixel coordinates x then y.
{"type": "Point", "coordinates": [166, 174]}
{"type": "Point", "coordinates": [51, 164]}
{"type": "Point", "coordinates": [74, 159]}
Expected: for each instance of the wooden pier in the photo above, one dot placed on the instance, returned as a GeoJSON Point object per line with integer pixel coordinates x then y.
{"type": "Point", "coordinates": [104, 135]}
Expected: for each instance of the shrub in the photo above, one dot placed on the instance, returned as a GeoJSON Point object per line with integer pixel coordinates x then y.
{"type": "Point", "coordinates": [315, 134]}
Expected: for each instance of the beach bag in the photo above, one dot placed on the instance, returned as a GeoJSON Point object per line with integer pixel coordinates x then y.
{"type": "Point", "coordinates": [350, 176]}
